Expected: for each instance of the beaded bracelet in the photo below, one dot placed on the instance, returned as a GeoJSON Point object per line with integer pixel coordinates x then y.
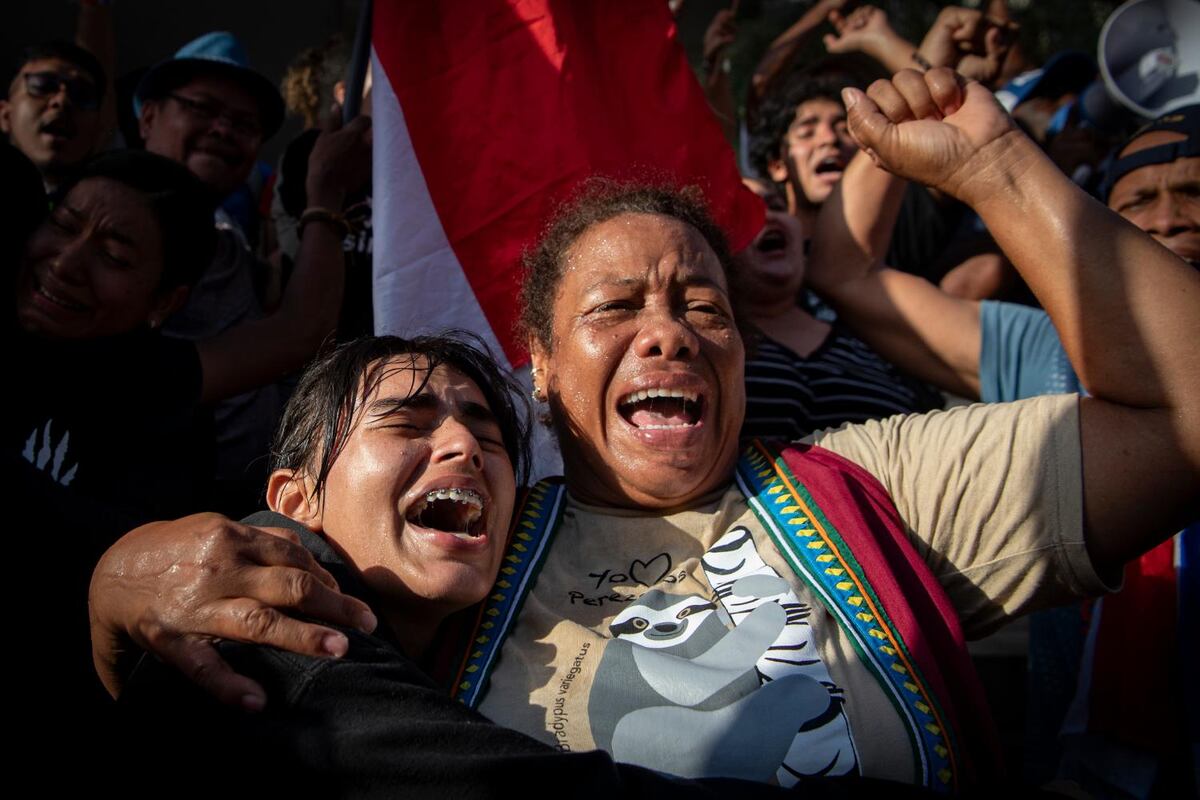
{"type": "Point", "coordinates": [318, 214]}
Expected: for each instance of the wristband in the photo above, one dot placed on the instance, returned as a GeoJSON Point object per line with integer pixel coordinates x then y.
{"type": "Point", "coordinates": [921, 61]}
{"type": "Point", "coordinates": [318, 214]}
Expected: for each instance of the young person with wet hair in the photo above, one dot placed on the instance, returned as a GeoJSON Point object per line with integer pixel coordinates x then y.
{"type": "Point", "coordinates": [393, 468]}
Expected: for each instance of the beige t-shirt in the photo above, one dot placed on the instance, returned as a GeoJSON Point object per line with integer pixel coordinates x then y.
{"type": "Point", "coordinates": [686, 643]}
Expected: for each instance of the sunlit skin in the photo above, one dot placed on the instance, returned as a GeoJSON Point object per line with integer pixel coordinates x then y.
{"type": "Point", "coordinates": [1162, 199]}
{"type": "Point", "coordinates": [815, 151]}
{"type": "Point", "coordinates": [643, 303]}
{"type": "Point", "coordinates": [214, 150]}
{"type": "Point", "coordinates": [94, 267]}
{"type": "Point", "coordinates": [51, 131]}
{"type": "Point", "coordinates": [443, 438]}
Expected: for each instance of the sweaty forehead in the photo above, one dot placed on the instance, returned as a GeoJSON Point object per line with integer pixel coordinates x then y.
{"type": "Point", "coordinates": [639, 247]}
{"type": "Point", "coordinates": [406, 378]}
{"type": "Point", "coordinates": [818, 108]}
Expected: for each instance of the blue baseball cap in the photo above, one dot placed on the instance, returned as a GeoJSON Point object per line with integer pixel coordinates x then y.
{"type": "Point", "coordinates": [215, 53]}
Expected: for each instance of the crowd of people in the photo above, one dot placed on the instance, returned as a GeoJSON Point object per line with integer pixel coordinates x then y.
{"type": "Point", "coordinates": [782, 512]}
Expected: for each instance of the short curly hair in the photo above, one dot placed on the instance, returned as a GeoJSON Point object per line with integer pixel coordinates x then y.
{"type": "Point", "coordinates": [599, 200]}
{"type": "Point", "coordinates": [778, 110]}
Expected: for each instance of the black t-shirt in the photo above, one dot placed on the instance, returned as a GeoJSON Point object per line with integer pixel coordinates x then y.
{"type": "Point", "coordinates": [103, 435]}
{"type": "Point", "coordinates": [924, 229]}
{"type": "Point", "coordinates": [843, 380]}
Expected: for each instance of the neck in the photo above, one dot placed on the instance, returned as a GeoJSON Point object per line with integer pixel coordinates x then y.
{"type": "Point", "coordinates": [794, 328]}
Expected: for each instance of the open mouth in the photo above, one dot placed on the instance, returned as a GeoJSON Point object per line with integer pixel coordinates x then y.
{"type": "Point", "coordinates": [454, 511]}
{"type": "Point", "coordinates": [662, 409]}
{"type": "Point", "coordinates": [57, 299]}
{"type": "Point", "coordinates": [58, 127]}
{"type": "Point", "coordinates": [771, 241]}
{"type": "Point", "coordinates": [830, 164]}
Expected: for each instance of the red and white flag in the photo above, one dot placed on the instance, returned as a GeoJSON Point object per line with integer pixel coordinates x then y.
{"type": "Point", "coordinates": [488, 114]}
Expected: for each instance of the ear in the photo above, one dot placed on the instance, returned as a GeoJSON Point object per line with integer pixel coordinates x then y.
{"type": "Point", "coordinates": [290, 493]}
{"type": "Point", "coordinates": [5, 117]}
{"type": "Point", "coordinates": [146, 120]}
{"type": "Point", "coordinates": [539, 361]}
{"type": "Point", "coordinates": [777, 170]}
{"type": "Point", "coordinates": [167, 304]}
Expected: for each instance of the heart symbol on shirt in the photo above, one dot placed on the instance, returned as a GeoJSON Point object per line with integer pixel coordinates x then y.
{"type": "Point", "coordinates": [661, 564]}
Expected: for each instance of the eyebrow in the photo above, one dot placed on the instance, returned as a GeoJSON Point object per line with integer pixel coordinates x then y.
{"type": "Point", "coordinates": [426, 401]}
{"type": "Point", "coordinates": [687, 280]}
{"type": "Point", "coordinates": [812, 119]}
{"type": "Point", "coordinates": [108, 231]}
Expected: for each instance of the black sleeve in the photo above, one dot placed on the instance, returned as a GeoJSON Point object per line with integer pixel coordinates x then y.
{"type": "Point", "coordinates": [371, 725]}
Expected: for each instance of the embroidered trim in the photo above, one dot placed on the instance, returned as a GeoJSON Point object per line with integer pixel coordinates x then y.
{"type": "Point", "coordinates": [532, 532]}
{"type": "Point", "coordinates": [819, 555]}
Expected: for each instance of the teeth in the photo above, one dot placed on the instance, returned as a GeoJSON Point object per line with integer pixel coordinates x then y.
{"type": "Point", "coordinates": [662, 427]}
{"type": "Point", "coordinates": [649, 394]}
{"type": "Point", "coordinates": [468, 496]}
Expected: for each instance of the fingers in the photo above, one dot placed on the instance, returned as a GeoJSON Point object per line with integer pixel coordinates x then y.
{"type": "Point", "coordinates": [915, 95]}
{"type": "Point", "coordinates": [865, 121]}
{"type": "Point", "coordinates": [246, 620]}
{"type": "Point", "coordinates": [199, 661]}
{"type": "Point", "coordinates": [294, 538]}
{"type": "Point", "coordinates": [947, 89]}
{"type": "Point", "coordinates": [300, 591]}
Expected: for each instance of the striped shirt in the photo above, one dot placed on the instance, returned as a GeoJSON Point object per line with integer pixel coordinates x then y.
{"type": "Point", "coordinates": [843, 380]}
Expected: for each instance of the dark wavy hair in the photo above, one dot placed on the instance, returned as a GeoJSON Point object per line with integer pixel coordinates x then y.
{"type": "Point", "coordinates": [181, 204]}
{"type": "Point", "coordinates": [599, 200]}
{"type": "Point", "coordinates": [778, 110]}
{"type": "Point", "coordinates": [319, 417]}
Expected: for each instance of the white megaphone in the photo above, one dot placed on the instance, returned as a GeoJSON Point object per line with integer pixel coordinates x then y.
{"type": "Point", "coordinates": [1149, 57]}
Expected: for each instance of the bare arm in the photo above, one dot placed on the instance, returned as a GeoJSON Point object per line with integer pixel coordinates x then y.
{"type": "Point", "coordinates": [263, 350]}
{"type": "Point", "coordinates": [782, 51]}
{"type": "Point", "coordinates": [908, 320]}
{"type": "Point", "coordinates": [721, 33]}
{"type": "Point", "coordinates": [867, 30]}
{"type": "Point", "coordinates": [96, 33]}
{"type": "Point", "coordinates": [1124, 306]}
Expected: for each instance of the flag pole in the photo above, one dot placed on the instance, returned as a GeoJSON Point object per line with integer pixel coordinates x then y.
{"type": "Point", "coordinates": [360, 57]}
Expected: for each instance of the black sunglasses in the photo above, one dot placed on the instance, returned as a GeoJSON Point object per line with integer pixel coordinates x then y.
{"type": "Point", "coordinates": [81, 91]}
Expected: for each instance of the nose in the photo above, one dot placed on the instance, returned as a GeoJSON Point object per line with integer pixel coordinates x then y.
{"type": "Point", "coordinates": [666, 336]}
{"type": "Point", "coordinates": [454, 442]}
{"type": "Point", "coordinates": [1167, 217]}
{"type": "Point", "coordinates": [70, 263]}
{"type": "Point", "coordinates": [826, 133]}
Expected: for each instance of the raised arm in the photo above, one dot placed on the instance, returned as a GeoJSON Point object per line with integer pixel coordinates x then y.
{"type": "Point", "coordinates": [908, 320]}
{"type": "Point", "coordinates": [783, 49]}
{"type": "Point", "coordinates": [1124, 306]}
{"type": "Point", "coordinates": [263, 350]}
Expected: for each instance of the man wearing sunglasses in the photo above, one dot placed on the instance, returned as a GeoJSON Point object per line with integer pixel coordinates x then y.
{"type": "Point", "coordinates": [52, 111]}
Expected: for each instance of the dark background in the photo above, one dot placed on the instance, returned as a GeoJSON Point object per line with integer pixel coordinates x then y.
{"type": "Point", "coordinates": [274, 31]}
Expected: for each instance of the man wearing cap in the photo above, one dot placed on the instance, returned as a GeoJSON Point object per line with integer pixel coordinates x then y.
{"type": "Point", "coordinates": [52, 109]}
{"type": "Point", "coordinates": [1126, 715]}
{"type": "Point", "coordinates": [207, 109]}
